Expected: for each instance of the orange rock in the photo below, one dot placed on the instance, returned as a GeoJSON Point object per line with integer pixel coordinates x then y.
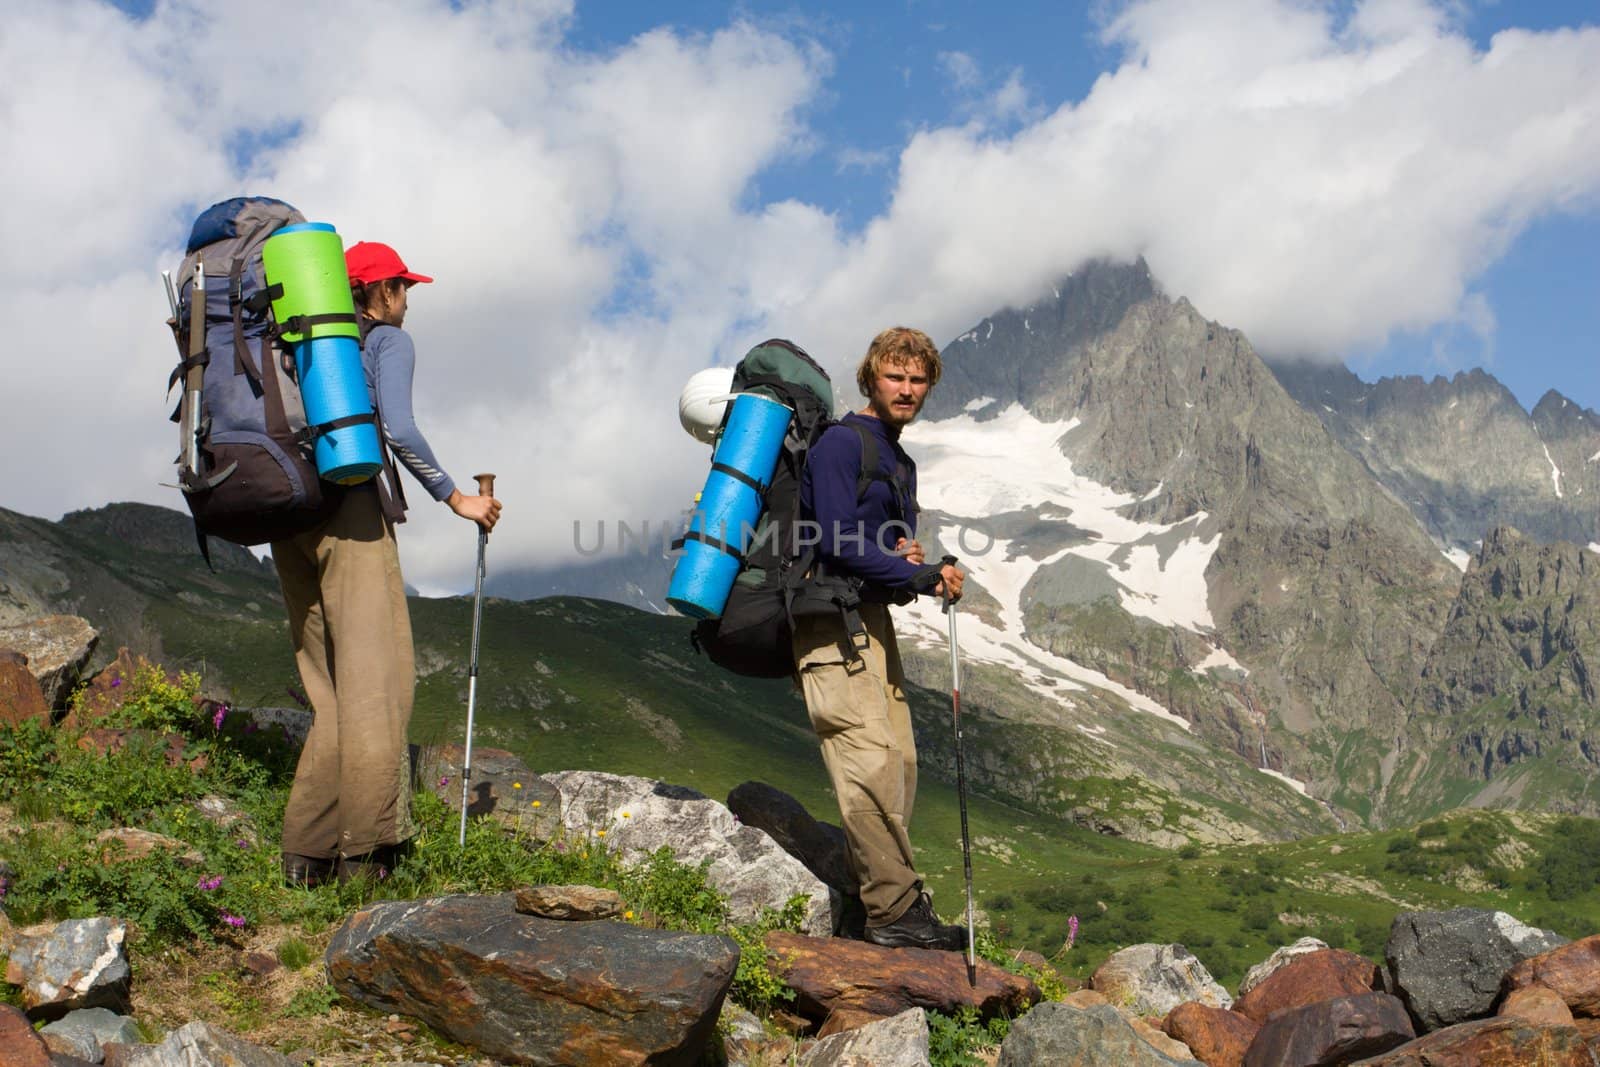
{"type": "Point", "coordinates": [1216, 1037]}
{"type": "Point", "coordinates": [21, 698]}
{"type": "Point", "coordinates": [834, 973]}
{"type": "Point", "coordinates": [1321, 975]}
{"type": "Point", "coordinates": [1571, 971]}
{"type": "Point", "coordinates": [1537, 1005]}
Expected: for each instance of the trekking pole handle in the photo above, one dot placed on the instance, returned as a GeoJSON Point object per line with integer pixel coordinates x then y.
{"type": "Point", "coordinates": [485, 484]}
{"type": "Point", "coordinates": [947, 561]}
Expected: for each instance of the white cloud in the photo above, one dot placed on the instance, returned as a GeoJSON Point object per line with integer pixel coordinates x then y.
{"type": "Point", "coordinates": [1316, 180]}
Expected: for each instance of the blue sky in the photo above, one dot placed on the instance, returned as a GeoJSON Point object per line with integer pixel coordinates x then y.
{"type": "Point", "coordinates": [885, 82]}
{"type": "Point", "coordinates": [616, 195]}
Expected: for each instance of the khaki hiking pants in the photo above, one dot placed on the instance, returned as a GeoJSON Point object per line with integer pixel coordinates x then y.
{"type": "Point", "coordinates": [858, 709]}
{"type": "Point", "coordinates": [352, 642]}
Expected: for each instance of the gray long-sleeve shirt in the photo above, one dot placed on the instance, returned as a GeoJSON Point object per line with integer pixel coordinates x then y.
{"type": "Point", "coordinates": [390, 361]}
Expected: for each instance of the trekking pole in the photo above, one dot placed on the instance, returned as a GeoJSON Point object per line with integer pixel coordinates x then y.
{"type": "Point", "coordinates": [961, 772]}
{"type": "Point", "coordinates": [485, 488]}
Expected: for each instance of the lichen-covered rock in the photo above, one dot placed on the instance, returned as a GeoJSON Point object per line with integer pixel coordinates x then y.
{"type": "Point", "coordinates": [1154, 979]}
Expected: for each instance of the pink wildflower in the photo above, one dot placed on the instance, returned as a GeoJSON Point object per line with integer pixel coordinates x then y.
{"type": "Point", "coordinates": [222, 713]}
{"type": "Point", "coordinates": [233, 920]}
{"type": "Point", "coordinates": [208, 884]}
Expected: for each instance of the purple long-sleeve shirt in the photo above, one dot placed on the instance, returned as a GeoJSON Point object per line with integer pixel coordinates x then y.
{"type": "Point", "coordinates": [857, 535]}
{"type": "Point", "coordinates": [390, 361]}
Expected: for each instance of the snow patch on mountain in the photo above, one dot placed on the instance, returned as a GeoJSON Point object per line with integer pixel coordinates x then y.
{"type": "Point", "coordinates": [1293, 783]}
{"type": "Point", "coordinates": [1555, 471]}
{"type": "Point", "coordinates": [1459, 556]}
{"type": "Point", "coordinates": [974, 406]}
{"type": "Point", "coordinates": [968, 470]}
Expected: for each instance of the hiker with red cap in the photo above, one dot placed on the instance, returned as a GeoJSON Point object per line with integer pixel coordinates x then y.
{"type": "Point", "coordinates": [349, 808]}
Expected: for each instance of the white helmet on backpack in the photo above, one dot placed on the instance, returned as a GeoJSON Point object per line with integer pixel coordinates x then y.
{"type": "Point", "coordinates": [704, 400]}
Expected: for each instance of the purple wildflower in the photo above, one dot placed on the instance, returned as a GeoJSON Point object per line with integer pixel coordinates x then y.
{"type": "Point", "coordinates": [1072, 930]}
{"type": "Point", "coordinates": [444, 781]}
{"type": "Point", "coordinates": [244, 844]}
{"type": "Point", "coordinates": [222, 713]}
{"type": "Point", "coordinates": [115, 682]}
{"type": "Point", "coordinates": [5, 886]}
{"type": "Point", "coordinates": [232, 920]}
{"type": "Point", "coordinates": [208, 884]}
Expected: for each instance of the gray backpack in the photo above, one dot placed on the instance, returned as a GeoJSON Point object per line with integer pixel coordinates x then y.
{"type": "Point", "coordinates": [245, 461]}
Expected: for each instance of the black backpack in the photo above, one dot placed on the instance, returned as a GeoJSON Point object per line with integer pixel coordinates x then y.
{"type": "Point", "coordinates": [249, 475]}
{"type": "Point", "coordinates": [779, 578]}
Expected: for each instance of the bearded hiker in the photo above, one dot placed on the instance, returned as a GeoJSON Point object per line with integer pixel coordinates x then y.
{"type": "Point", "coordinates": [860, 488]}
{"type": "Point", "coordinates": [349, 808]}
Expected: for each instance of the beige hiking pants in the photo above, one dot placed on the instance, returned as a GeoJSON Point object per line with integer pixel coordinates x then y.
{"type": "Point", "coordinates": [352, 642]}
{"type": "Point", "coordinates": [858, 709]}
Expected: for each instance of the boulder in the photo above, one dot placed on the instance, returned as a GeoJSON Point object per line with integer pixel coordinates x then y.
{"type": "Point", "coordinates": [21, 699]}
{"type": "Point", "coordinates": [1064, 1036]}
{"type": "Point", "coordinates": [1331, 1032]}
{"type": "Point", "coordinates": [1497, 1042]}
{"type": "Point", "coordinates": [83, 1033]}
{"type": "Point", "coordinates": [637, 816]}
{"type": "Point", "coordinates": [1216, 1037]}
{"type": "Point", "coordinates": [832, 974]}
{"type": "Point", "coordinates": [1257, 974]}
{"type": "Point", "coordinates": [1306, 979]}
{"type": "Point", "coordinates": [290, 724]}
{"type": "Point", "coordinates": [899, 1041]}
{"type": "Point", "coordinates": [569, 903]}
{"type": "Point", "coordinates": [529, 990]}
{"type": "Point", "coordinates": [199, 1044]}
{"type": "Point", "coordinates": [1154, 979]}
{"type": "Point", "coordinates": [502, 788]}
{"type": "Point", "coordinates": [1537, 1005]}
{"type": "Point", "coordinates": [58, 647]}
{"type": "Point", "coordinates": [125, 843]}
{"type": "Point", "coordinates": [107, 741]}
{"type": "Point", "coordinates": [1572, 971]}
{"type": "Point", "coordinates": [76, 964]}
{"type": "Point", "coordinates": [1447, 965]}
{"type": "Point", "coordinates": [818, 845]}
{"type": "Point", "coordinates": [20, 1046]}
{"type": "Point", "coordinates": [108, 690]}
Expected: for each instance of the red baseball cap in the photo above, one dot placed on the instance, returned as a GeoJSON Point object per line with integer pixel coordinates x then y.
{"type": "Point", "coordinates": [373, 261]}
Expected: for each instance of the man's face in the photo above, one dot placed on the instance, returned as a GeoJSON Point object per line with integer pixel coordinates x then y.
{"type": "Point", "coordinates": [898, 392]}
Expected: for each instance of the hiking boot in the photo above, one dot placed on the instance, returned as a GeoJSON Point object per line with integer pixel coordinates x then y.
{"type": "Point", "coordinates": [375, 865]}
{"type": "Point", "coordinates": [919, 927]}
{"type": "Point", "coordinates": [306, 871]}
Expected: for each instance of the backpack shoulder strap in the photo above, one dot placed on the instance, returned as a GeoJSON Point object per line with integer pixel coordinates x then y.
{"type": "Point", "coordinates": [872, 471]}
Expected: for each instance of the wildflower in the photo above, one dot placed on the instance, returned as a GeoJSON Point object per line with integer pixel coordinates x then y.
{"type": "Point", "coordinates": [116, 682]}
{"type": "Point", "coordinates": [536, 804]}
{"type": "Point", "coordinates": [208, 884]}
{"type": "Point", "coordinates": [599, 833]}
{"type": "Point", "coordinates": [516, 785]}
{"type": "Point", "coordinates": [625, 815]}
{"type": "Point", "coordinates": [232, 920]}
{"type": "Point", "coordinates": [444, 781]}
{"type": "Point", "coordinates": [1072, 930]}
{"type": "Point", "coordinates": [628, 914]}
{"type": "Point", "coordinates": [5, 886]}
{"type": "Point", "coordinates": [222, 713]}
{"type": "Point", "coordinates": [243, 843]}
